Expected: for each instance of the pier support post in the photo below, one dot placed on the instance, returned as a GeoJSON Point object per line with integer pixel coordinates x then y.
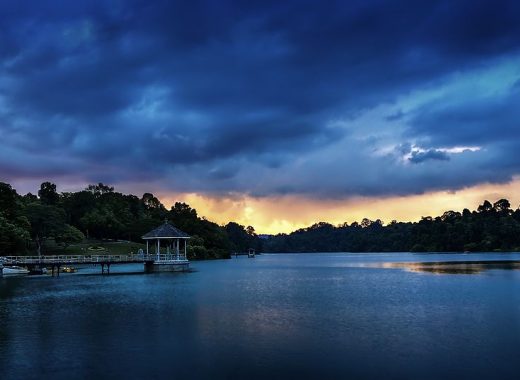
{"type": "Point", "coordinates": [103, 268]}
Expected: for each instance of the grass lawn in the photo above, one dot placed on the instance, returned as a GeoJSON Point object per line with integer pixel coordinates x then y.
{"type": "Point", "coordinates": [97, 247]}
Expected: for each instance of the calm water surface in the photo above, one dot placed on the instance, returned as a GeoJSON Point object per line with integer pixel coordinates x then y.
{"type": "Point", "coordinates": [302, 316]}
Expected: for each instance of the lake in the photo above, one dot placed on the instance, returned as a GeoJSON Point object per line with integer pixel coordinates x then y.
{"type": "Point", "coordinates": [322, 316]}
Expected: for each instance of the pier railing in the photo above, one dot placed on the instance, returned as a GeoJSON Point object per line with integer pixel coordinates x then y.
{"type": "Point", "coordinates": [89, 259]}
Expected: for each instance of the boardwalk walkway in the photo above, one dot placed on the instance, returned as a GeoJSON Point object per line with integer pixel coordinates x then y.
{"type": "Point", "coordinates": [87, 259]}
{"type": "Point", "coordinates": [57, 261]}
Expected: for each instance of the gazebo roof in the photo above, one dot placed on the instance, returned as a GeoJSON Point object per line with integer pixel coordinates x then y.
{"type": "Point", "coordinates": [166, 231]}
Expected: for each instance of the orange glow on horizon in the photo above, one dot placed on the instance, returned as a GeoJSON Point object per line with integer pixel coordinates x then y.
{"type": "Point", "coordinates": [276, 214]}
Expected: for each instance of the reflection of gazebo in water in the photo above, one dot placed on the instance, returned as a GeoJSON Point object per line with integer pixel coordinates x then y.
{"type": "Point", "coordinates": [173, 258]}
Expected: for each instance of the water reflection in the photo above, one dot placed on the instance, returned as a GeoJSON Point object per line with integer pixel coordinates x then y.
{"type": "Point", "coordinates": [307, 316]}
{"type": "Point", "coordinates": [455, 267]}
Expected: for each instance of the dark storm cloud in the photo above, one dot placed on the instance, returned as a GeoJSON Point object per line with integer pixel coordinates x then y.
{"type": "Point", "coordinates": [223, 92]}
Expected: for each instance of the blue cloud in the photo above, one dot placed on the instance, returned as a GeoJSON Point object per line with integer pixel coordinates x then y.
{"type": "Point", "coordinates": [225, 93]}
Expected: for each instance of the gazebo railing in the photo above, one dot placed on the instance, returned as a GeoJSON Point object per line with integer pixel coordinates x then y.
{"type": "Point", "coordinates": [169, 256]}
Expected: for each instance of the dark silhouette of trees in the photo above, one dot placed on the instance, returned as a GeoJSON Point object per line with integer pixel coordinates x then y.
{"type": "Point", "coordinates": [46, 221]}
{"type": "Point", "coordinates": [485, 207]}
{"type": "Point", "coordinates": [503, 207]}
{"type": "Point", "coordinates": [493, 227]}
{"type": "Point", "coordinates": [242, 238]}
{"type": "Point", "coordinates": [8, 200]}
{"type": "Point", "coordinates": [100, 212]}
{"type": "Point", "coordinates": [13, 235]}
{"type": "Point", "coordinates": [68, 235]}
{"type": "Point", "coordinates": [48, 194]}
{"type": "Point", "coordinates": [14, 226]}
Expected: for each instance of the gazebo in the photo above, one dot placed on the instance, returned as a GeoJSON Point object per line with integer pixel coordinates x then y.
{"type": "Point", "coordinates": [174, 257]}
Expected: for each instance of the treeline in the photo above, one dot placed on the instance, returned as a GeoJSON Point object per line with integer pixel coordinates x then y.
{"type": "Point", "coordinates": [492, 227]}
{"type": "Point", "coordinates": [28, 222]}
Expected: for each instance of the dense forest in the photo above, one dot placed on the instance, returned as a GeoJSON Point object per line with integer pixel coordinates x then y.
{"type": "Point", "coordinates": [492, 227]}
{"type": "Point", "coordinates": [30, 224]}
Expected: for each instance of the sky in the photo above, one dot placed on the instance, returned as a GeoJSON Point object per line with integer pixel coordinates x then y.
{"type": "Point", "coordinates": [277, 114]}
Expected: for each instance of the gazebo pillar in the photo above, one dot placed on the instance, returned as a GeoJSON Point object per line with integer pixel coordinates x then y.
{"type": "Point", "coordinates": [158, 250]}
{"type": "Point", "coordinates": [177, 248]}
{"type": "Point", "coordinates": [185, 248]}
{"type": "Point", "coordinates": [147, 248]}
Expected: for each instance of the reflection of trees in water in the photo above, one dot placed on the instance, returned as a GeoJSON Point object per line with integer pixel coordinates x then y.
{"type": "Point", "coordinates": [456, 267]}
{"type": "Point", "coordinates": [448, 269]}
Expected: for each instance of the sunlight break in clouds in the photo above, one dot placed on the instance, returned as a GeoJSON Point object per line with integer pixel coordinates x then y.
{"type": "Point", "coordinates": [271, 215]}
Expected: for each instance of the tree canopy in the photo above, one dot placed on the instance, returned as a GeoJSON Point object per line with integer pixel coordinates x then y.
{"type": "Point", "coordinates": [100, 212]}
{"type": "Point", "coordinates": [492, 227]}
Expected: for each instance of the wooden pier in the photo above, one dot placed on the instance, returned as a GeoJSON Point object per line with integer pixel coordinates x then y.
{"type": "Point", "coordinates": [55, 262]}
{"type": "Point", "coordinates": [175, 259]}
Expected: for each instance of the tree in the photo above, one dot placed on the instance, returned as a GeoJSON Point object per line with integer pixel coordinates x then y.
{"type": "Point", "coordinates": [76, 205]}
{"type": "Point", "coordinates": [502, 206]}
{"type": "Point", "coordinates": [8, 200]}
{"type": "Point", "coordinates": [150, 202]}
{"type": "Point", "coordinates": [29, 198]}
{"type": "Point", "coordinates": [485, 207]}
{"type": "Point", "coordinates": [196, 248]}
{"type": "Point", "coordinates": [46, 221]}
{"type": "Point", "coordinates": [366, 223]}
{"type": "Point", "coordinates": [238, 237]}
{"type": "Point", "coordinates": [153, 208]}
{"type": "Point", "coordinates": [102, 223]}
{"type": "Point", "coordinates": [48, 194]}
{"type": "Point", "coordinates": [13, 236]}
{"type": "Point", "coordinates": [68, 235]}
{"type": "Point", "coordinates": [99, 189]}
{"type": "Point", "coordinates": [450, 216]}
{"type": "Point", "coordinates": [183, 216]}
{"type": "Point", "coordinates": [241, 238]}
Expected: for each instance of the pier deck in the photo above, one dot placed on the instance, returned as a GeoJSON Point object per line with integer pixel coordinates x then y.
{"type": "Point", "coordinates": [57, 261]}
